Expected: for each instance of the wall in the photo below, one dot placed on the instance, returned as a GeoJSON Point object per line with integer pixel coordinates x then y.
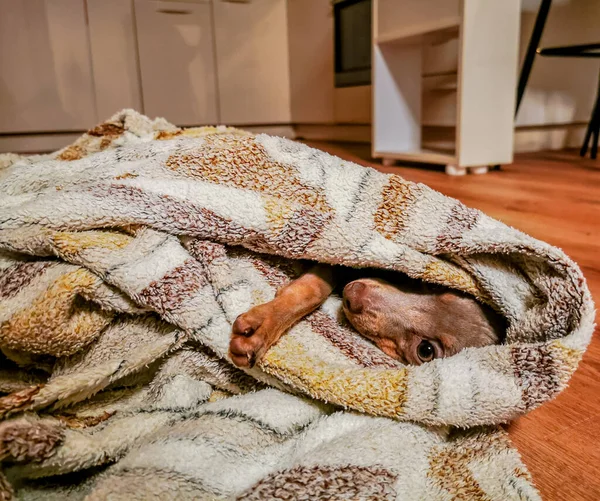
{"type": "Point", "coordinates": [560, 90]}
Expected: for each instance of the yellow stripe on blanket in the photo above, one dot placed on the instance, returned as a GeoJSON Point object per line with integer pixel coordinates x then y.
{"type": "Point", "coordinates": [379, 392]}
{"type": "Point", "coordinates": [51, 324]}
{"type": "Point", "coordinates": [71, 244]}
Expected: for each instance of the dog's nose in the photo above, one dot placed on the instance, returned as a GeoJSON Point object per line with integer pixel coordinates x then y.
{"type": "Point", "coordinates": [353, 296]}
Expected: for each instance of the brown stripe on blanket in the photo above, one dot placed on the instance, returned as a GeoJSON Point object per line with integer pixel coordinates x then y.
{"type": "Point", "coordinates": [20, 275]}
{"type": "Point", "coordinates": [460, 220]}
{"type": "Point", "coordinates": [326, 482]}
{"type": "Point", "coordinates": [73, 421]}
{"type": "Point", "coordinates": [450, 464]}
{"type": "Point", "coordinates": [97, 139]}
{"type": "Point", "coordinates": [240, 162]}
{"type": "Point", "coordinates": [164, 135]}
{"type": "Point", "coordinates": [178, 217]}
{"type": "Point", "coordinates": [302, 228]}
{"type": "Point", "coordinates": [107, 129]}
{"type": "Point", "coordinates": [349, 344]}
{"type": "Point", "coordinates": [398, 195]}
{"type": "Point", "coordinates": [175, 287]}
{"type": "Point", "coordinates": [29, 440]}
{"type": "Point", "coordinates": [536, 371]}
{"type": "Point", "coordinates": [204, 250]}
{"type": "Point", "coordinates": [222, 228]}
{"type": "Point", "coordinates": [18, 400]}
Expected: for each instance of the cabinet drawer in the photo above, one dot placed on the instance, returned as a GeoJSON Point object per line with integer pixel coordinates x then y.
{"type": "Point", "coordinates": [177, 64]}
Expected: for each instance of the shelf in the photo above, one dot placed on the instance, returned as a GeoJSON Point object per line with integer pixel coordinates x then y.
{"type": "Point", "coordinates": [423, 156]}
{"type": "Point", "coordinates": [468, 85]}
{"type": "Point", "coordinates": [431, 33]}
{"type": "Point", "coordinates": [444, 82]}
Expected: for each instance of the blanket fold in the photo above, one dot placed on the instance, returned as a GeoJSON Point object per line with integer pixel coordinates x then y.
{"type": "Point", "coordinates": [124, 260]}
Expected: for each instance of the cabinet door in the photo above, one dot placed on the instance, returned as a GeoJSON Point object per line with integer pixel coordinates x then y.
{"type": "Point", "coordinates": [252, 61]}
{"type": "Point", "coordinates": [310, 32]}
{"type": "Point", "coordinates": [114, 56]}
{"type": "Point", "coordinates": [177, 65]}
{"type": "Point", "coordinates": [46, 82]}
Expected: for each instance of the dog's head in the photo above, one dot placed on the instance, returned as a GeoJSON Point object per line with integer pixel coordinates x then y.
{"type": "Point", "coordinates": [415, 323]}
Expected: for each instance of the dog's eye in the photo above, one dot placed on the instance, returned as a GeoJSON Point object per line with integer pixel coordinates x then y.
{"type": "Point", "coordinates": [426, 351]}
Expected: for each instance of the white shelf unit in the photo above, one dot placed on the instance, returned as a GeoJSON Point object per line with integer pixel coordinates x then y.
{"type": "Point", "coordinates": [480, 93]}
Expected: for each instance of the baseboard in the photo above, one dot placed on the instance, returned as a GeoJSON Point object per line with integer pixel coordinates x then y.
{"type": "Point", "coordinates": [531, 139]}
{"type": "Point", "coordinates": [36, 143]}
{"type": "Point", "coordinates": [528, 138]}
{"type": "Point", "coordinates": [348, 133]}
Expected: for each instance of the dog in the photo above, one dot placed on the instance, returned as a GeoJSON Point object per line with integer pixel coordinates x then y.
{"type": "Point", "coordinates": [409, 320]}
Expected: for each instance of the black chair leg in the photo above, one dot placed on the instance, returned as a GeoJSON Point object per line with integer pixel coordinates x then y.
{"type": "Point", "coordinates": [586, 139]}
{"type": "Point", "coordinates": [534, 43]}
{"type": "Point", "coordinates": [592, 129]}
{"type": "Point", "coordinates": [594, 152]}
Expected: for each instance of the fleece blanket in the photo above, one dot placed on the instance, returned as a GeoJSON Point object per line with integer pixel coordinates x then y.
{"type": "Point", "coordinates": [124, 260]}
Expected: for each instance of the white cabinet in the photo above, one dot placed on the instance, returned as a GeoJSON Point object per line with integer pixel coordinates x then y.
{"type": "Point", "coordinates": [177, 63]}
{"type": "Point", "coordinates": [46, 82]}
{"type": "Point", "coordinates": [252, 61]}
{"type": "Point", "coordinates": [66, 64]}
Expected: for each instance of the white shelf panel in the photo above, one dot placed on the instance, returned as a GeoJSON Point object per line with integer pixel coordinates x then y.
{"type": "Point", "coordinates": [440, 83]}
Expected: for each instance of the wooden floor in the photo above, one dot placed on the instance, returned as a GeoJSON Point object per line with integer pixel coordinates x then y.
{"type": "Point", "coordinates": [553, 196]}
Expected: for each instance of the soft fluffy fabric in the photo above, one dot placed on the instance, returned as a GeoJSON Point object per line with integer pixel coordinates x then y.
{"type": "Point", "coordinates": [126, 257]}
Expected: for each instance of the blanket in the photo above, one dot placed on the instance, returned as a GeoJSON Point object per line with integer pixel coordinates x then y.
{"type": "Point", "coordinates": [124, 260]}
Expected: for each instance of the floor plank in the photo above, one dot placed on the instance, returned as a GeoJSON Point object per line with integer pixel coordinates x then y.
{"type": "Point", "coordinates": [553, 196]}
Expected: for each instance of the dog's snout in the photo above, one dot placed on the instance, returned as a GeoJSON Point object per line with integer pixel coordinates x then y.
{"type": "Point", "coordinates": [354, 296]}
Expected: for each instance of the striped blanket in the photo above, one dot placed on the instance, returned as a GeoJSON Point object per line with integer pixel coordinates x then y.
{"type": "Point", "coordinates": [124, 259]}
